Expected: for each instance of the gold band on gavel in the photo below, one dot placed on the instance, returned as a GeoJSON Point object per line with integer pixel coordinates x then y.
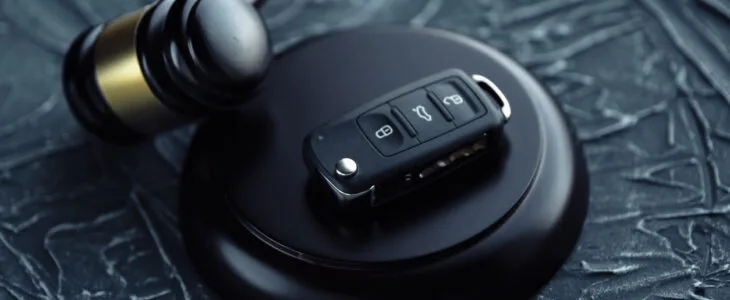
{"type": "Point", "coordinates": [122, 83]}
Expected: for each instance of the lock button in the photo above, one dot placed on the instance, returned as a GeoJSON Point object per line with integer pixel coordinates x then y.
{"type": "Point", "coordinates": [456, 102]}
{"type": "Point", "coordinates": [384, 132]}
{"type": "Point", "coordinates": [420, 112]}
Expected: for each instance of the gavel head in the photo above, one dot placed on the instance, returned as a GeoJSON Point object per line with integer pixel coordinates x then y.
{"type": "Point", "coordinates": [165, 65]}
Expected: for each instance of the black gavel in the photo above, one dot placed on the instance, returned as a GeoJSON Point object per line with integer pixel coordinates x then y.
{"type": "Point", "coordinates": [165, 65]}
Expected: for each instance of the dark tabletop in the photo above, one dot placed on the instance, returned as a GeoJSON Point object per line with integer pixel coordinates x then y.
{"type": "Point", "coordinates": [647, 82]}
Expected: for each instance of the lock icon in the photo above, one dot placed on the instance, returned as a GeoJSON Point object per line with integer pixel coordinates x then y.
{"type": "Point", "coordinates": [384, 132]}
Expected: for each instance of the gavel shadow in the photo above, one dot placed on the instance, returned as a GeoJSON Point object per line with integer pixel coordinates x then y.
{"type": "Point", "coordinates": [411, 208]}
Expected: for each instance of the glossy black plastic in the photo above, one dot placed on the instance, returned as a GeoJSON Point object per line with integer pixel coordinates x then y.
{"type": "Point", "coordinates": [256, 227]}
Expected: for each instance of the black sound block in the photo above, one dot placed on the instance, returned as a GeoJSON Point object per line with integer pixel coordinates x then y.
{"type": "Point", "coordinates": [257, 225]}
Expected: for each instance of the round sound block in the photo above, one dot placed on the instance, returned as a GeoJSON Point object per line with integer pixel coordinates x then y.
{"type": "Point", "coordinates": [257, 225]}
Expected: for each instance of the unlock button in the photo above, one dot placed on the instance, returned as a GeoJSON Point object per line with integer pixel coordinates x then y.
{"type": "Point", "coordinates": [456, 102]}
{"type": "Point", "coordinates": [384, 132]}
{"type": "Point", "coordinates": [428, 121]}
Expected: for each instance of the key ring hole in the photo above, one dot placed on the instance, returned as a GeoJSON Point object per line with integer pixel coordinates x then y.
{"type": "Point", "coordinates": [490, 88]}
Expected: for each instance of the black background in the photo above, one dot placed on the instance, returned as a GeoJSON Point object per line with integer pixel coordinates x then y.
{"type": "Point", "coordinates": [645, 81]}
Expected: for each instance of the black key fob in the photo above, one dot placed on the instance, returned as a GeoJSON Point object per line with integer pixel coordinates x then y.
{"type": "Point", "coordinates": [406, 138]}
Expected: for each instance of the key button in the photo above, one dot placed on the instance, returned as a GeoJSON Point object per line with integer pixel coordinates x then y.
{"type": "Point", "coordinates": [418, 110]}
{"type": "Point", "coordinates": [384, 133]}
{"type": "Point", "coordinates": [456, 102]}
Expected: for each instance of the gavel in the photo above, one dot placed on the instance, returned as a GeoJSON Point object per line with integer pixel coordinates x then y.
{"type": "Point", "coordinates": [165, 65]}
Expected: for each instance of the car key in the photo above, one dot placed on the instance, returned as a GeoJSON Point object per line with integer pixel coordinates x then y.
{"type": "Point", "coordinates": [406, 138]}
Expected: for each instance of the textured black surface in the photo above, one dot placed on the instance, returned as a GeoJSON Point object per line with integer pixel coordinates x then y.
{"type": "Point", "coordinates": [645, 81]}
